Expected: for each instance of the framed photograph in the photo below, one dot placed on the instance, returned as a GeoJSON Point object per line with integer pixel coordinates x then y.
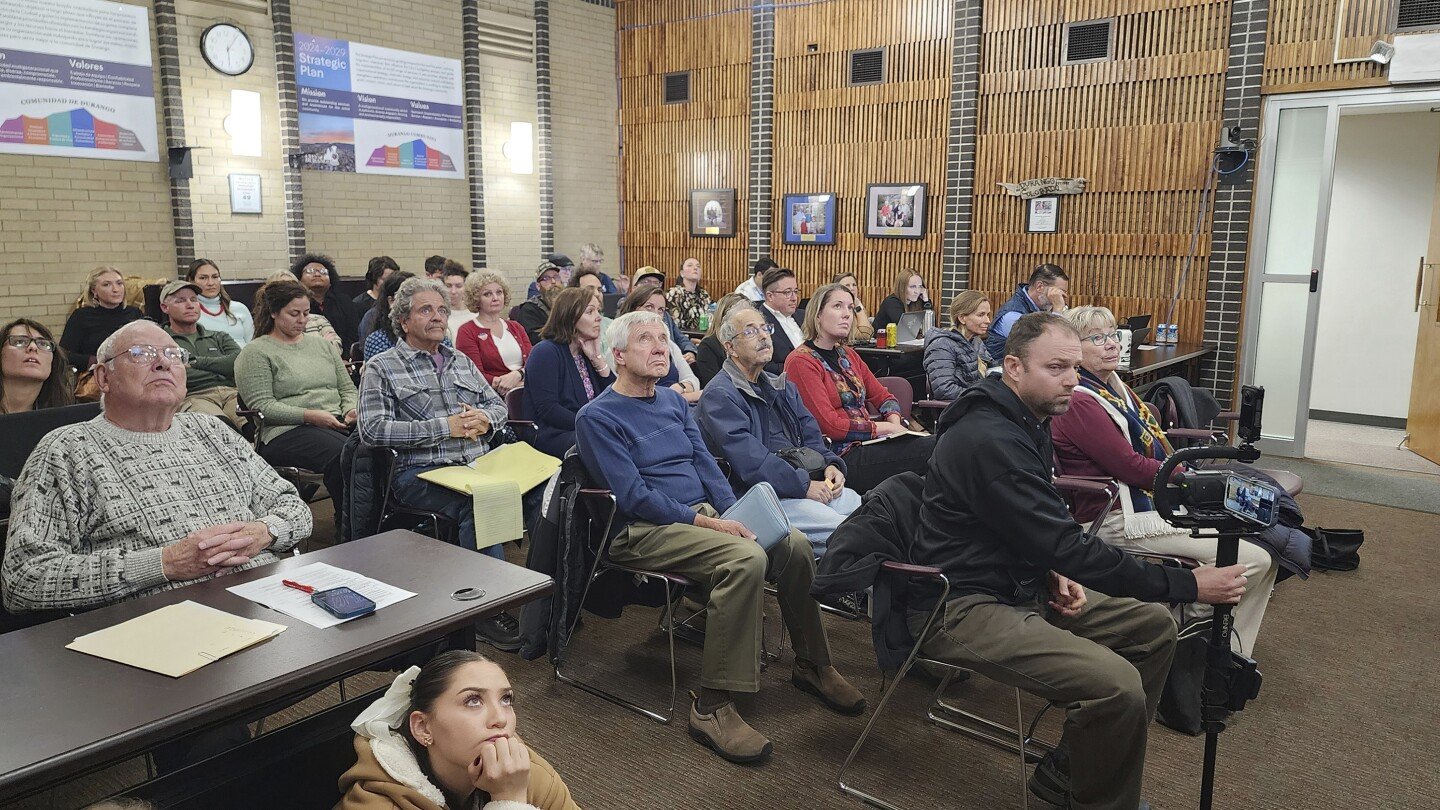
{"type": "Point", "coordinates": [712, 212]}
{"type": "Point", "coordinates": [245, 194]}
{"type": "Point", "coordinates": [809, 219]}
{"type": "Point", "coordinates": [895, 211]}
{"type": "Point", "coordinates": [1042, 214]}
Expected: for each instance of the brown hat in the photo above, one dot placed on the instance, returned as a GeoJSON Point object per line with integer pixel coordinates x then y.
{"type": "Point", "coordinates": [545, 266]}
{"type": "Point", "coordinates": [646, 272]}
{"type": "Point", "coordinates": [176, 286]}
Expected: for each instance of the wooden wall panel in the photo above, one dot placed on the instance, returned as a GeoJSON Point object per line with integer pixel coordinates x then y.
{"type": "Point", "coordinates": [1139, 128]}
{"type": "Point", "coordinates": [831, 137]}
{"type": "Point", "coordinates": [1300, 48]}
{"type": "Point", "coordinates": [669, 149]}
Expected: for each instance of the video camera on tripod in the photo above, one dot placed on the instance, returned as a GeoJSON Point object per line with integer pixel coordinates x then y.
{"type": "Point", "coordinates": [1222, 505]}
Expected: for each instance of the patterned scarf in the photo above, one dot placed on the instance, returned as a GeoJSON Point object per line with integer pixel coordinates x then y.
{"type": "Point", "coordinates": [1146, 437]}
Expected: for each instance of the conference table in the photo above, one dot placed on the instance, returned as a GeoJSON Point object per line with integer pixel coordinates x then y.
{"type": "Point", "coordinates": [1182, 359]}
{"type": "Point", "coordinates": [884, 362]}
{"type": "Point", "coordinates": [67, 713]}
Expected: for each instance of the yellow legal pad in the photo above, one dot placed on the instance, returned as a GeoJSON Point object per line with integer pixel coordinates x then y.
{"type": "Point", "coordinates": [177, 639]}
{"type": "Point", "coordinates": [495, 482]}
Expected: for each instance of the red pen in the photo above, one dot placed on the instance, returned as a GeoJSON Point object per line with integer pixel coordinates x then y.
{"type": "Point", "coordinates": [297, 586]}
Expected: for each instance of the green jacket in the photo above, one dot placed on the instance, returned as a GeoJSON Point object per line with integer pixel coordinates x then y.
{"type": "Point", "coordinates": [212, 361]}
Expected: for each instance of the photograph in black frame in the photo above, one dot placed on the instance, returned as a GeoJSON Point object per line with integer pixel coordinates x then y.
{"type": "Point", "coordinates": [895, 210]}
{"type": "Point", "coordinates": [809, 219]}
{"type": "Point", "coordinates": [712, 212]}
{"type": "Point", "coordinates": [1042, 214]}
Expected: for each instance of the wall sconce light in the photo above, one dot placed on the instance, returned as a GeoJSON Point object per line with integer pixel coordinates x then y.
{"type": "Point", "coordinates": [243, 123]}
{"type": "Point", "coordinates": [520, 149]}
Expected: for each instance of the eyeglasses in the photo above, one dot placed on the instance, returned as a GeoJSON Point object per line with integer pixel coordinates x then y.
{"type": "Point", "coordinates": [22, 343]}
{"type": "Point", "coordinates": [1103, 338]}
{"type": "Point", "coordinates": [752, 332]}
{"type": "Point", "coordinates": [315, 271]}
{"type": "Point", "coordinates": [148, 354]}
{"type": "Point", "coordinates": [787, 293]}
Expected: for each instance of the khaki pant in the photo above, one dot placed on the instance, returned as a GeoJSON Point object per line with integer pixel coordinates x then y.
{"type": "Point", "coordinates": [220, 401]}
{"type": "Point", "coordinates": [733, 571]}
{"type": "Point", "coordinates": [1106, 667]}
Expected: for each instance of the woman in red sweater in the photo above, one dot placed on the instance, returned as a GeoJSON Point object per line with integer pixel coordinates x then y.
{"type": "Point", "coordinates": [836, 386]}
{"type": "Point", "coordinates": [498, 346]}
{"type": "Point", "coordinates": [1108, 432]}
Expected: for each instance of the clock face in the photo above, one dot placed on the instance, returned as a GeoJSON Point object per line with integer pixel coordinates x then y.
{"type": "Point", "coordinates": [227, 49]}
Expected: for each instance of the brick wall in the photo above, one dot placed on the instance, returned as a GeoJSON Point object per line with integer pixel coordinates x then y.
{"type": "Point", "coordinates": [353, 217]}
{"type": "Point", "coordinates": [585, 135]}
{"type": "Point", "coordinates": [60, 217]}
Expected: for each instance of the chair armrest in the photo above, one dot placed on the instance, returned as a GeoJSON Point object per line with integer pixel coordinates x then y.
{"type": "Point", "coordinates": [1075, 483]}
{"type": "Point", "coordinates": [589, 491]}
{"type": "Point", "coordinates": [932, 404]}
{"type": "Point", "coordinates": [1167, 559]}
{"type": "Point", "coordinates": [1227, 416]}
{"type": "Point", "coordinates": [1191, 434]}
{"type": "Point", "coordinates": [248, 413]}
{"type": "Point", "coordinates": [911, 570]}
{"type": "Point", "coordinates": [525, 423]}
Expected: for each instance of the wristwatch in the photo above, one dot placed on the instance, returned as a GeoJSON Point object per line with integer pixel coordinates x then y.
{"type": "Point", "coordinates": [277, 527]}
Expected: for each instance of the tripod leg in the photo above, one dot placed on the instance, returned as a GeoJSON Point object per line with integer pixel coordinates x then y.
{"type": "Point", "coordinates": [1217, 658]}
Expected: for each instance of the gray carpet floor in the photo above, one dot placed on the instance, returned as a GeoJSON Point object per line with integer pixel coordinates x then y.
{"type": "Point", "coordinates": [1397, 488]}
{"type": "Point", "coordinates": [1345, 721]}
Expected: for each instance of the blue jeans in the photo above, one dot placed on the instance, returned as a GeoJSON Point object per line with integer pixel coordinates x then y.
{"type": "Point", "coordinates": [818, 520]}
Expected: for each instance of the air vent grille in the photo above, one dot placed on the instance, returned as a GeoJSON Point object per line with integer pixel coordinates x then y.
{"type": "Point", "coordinates": [1090, 41]}
{"type": "Point", "coordinates": [677, 88]}
{"type": "Point", "coordinates": [507, 37]}
{"type": "Point", "coordinates": [1411, 15]}
{"type": "Point", "coordinates": [867, 67]}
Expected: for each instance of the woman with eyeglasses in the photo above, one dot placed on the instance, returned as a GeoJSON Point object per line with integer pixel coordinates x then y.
{"type": "Point", "coordinates": [909, 295]}
{"type": "Point", "coordinates": [300, 386]}
{"type": "Point", "coordinates": [33, 371]}
{"type": "Point", "coordinates": [840, 391]}
{"type": "Point", "coordinates": [710, 354]}
{"type": "Point", "coordinates": [651, 298]}
{"type": "Point", "coordinates": [1108, 432]}
{"type": "Point", "coordinates": [100, 312]}
{"type": "Point", "coordinates": [956, 358]}
{"type": "Point", "coordinates": [863, 330]}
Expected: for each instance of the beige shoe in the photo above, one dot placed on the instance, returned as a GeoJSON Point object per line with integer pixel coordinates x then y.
{"type": "Point", "coordinates": [830, 686]}
{"type": "Point", "coordinates": [727, 733]}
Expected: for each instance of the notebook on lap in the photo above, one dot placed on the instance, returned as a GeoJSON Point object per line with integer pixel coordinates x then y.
{"type": "Point", "coordinates": [759, 511]}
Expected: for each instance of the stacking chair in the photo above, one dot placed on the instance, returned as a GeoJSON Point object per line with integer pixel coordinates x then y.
{"type": "Point", "coordinates": [307, 482]}
{"type": "Point", "coordinates": [600, 507]}
{"type": "Point", "coordinates": [904, 393]}
{"type": "Point", "coordinates": [383, 470]}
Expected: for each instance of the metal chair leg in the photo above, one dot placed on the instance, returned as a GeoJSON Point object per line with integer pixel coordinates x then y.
{"type": "Point", "coordinates": [1024, 789]}
{"type": "Point", "coordinates": [987, 730]}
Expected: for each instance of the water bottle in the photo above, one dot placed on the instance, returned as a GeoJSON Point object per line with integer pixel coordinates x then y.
{"type": "Point", "coordinates": [703, 323]}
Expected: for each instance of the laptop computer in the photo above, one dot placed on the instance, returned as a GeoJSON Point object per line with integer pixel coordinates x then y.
{"type": "Point", "coordinates": [912, 325]}
{"type": "Point", "coordinates": [1137, 322]}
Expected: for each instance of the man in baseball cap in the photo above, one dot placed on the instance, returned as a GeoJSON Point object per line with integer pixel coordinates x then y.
{"type": "Point", "coordinates": [210, 377]}
{"type": "Point", "coordinates": [536, 311]}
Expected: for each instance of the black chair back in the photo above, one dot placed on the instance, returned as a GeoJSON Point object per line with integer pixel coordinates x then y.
{"type": "Point", "coordinates": [22, 431]}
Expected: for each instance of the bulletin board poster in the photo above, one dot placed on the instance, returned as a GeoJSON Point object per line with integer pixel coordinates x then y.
{"type": "Point", "coordinates": [76, 80]}
{"type": "Point", "coordinates": [377, 110]}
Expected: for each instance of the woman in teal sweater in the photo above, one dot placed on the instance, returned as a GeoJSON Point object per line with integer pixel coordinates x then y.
{"type": "Point", "coordinates": [299, 385]}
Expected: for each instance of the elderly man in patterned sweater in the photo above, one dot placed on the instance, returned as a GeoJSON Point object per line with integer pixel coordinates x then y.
{"type": "Point", "coordinates": [141, 499]}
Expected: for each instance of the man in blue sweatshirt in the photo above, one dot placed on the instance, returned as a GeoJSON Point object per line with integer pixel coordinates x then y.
{"type": "Point", "coordinates": [641, 442]}
{"type": "Point", "coordinates": [1045, 292]}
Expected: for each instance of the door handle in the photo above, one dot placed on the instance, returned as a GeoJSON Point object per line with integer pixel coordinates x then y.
{"type": "Point", "coordinates": [1419, 282]}
{"type": "Point", "coordinates": [1314, 279]}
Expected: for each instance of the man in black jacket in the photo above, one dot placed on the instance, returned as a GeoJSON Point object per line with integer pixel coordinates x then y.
{"type": "Point", "coordinates": [1034, 601]}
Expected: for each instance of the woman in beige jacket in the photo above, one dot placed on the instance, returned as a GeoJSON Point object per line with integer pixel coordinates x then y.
{"type": "Point", "coordinates": [443, 738]}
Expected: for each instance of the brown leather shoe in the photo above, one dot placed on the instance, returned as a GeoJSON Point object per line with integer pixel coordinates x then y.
{"type": "Point", "coordinates": [830, 686]}
{"type": "Point", "coordinates": [727, 733]}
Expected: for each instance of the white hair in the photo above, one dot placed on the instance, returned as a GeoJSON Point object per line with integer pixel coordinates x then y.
{"type": "Point", "coordinates": [619, 335]}
{"type": "Point", "coordinates": [727, 329]}
{"type": "Point", "coordinates": [403, 302]}
{"type": "Point", "coordinates": [106, 352]}
{"type": "Point", "coordinates": [1086, 318]}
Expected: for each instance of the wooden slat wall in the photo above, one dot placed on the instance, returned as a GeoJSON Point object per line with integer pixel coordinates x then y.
{"type": "Point", "coordinates": [1139, 128]}
{"type": "Point", "coordinates": [669, 149]}
{"type": "Point", "coordinates": [831, 137]}
{"type": "Point", "coordinates": [1300, 44]}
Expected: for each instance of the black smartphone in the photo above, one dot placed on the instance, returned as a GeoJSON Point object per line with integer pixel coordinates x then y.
{"type": "Point", "coordinates": [1251, 500]}
{"type": "Point", "coordinates": [343, 603]}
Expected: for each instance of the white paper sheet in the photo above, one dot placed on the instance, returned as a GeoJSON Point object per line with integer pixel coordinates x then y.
{"type": "Point", "coordinates": [276, 596]}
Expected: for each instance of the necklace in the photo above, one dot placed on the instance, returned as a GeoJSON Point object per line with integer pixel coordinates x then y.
{"type": "Point", "coordinates": [208, 312]}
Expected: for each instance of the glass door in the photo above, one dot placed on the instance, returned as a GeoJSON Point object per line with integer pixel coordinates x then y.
{"type": "Point", "coordinates": [1286, 255]}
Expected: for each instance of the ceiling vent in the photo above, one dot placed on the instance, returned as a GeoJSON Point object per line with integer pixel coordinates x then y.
{"type": "Point", "coordinates": [1415, 15]}
{"type": "Point", "coordinates": [1090, 41]}
{"type": "Point", "coordinates": [867, 67]}
{"type": "Point", "coordinates": [677, 87]}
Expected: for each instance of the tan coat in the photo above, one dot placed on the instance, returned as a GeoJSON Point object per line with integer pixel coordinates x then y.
{"type": "Point", "coordinates": [399, 784]}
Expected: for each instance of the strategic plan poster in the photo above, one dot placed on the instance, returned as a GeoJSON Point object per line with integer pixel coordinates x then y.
{"type": "Point", "coordinates": [76, 80]}
{"type": "Point", "coordinates": [377, 110]}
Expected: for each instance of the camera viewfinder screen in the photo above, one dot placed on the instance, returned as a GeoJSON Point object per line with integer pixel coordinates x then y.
{"type": "Point", "coordinates": [1250, 499]}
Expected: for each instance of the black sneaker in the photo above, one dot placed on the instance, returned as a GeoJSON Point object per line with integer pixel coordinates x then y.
{"type": "Point", "coordinates": [1051, 780]}
{"type": "Point", "coordinates": [500, 631]}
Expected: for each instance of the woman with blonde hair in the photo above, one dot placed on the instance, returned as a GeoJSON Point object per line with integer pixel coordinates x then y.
{"type": "Point", "coordinates": [102, 310]}
{"type": "Point", "coordinates": [1108, 432]}
{"type": "Point", "coordinates": [956, 358]}
{"type": "Point", "coordinates": [864, 331]}
{"type": "Point", "coordinates": [497, 345]}
{"type": "Point", "coordinates": [908, 295]}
